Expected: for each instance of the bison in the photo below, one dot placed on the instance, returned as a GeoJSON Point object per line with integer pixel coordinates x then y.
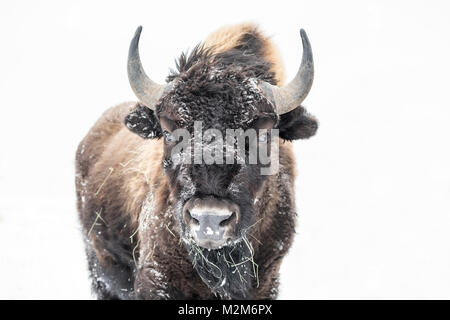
{"type": "Point", "coordinates": [155, 228]}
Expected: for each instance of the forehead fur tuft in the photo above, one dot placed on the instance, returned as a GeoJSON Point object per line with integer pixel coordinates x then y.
{"type": "Point", "coordinates": [218, 88]}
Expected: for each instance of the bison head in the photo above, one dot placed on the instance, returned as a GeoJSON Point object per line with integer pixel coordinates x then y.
{"type": "Point", "coordinates": [219, 97]}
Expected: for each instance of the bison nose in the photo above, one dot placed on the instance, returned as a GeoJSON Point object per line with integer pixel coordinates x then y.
{"type": "Point", "coordinates": [211, 228]}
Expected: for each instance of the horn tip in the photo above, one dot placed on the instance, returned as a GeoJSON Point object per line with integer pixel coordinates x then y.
{"type": "Point", "coordinates": [303, 34]}
{"type": "Point", "coordinates": [305, 42]}
{"type": "Point", "coordinates": [135, 42]}
{"type": "Point", "coordinates": [138, 30]}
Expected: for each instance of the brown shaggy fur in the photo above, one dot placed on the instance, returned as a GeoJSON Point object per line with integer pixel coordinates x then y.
{"type": "Point", "coordinates": [119, 176]}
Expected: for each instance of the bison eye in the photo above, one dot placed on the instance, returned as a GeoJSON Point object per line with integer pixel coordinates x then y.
{"type": "Point", "coordinates": [168, 136]}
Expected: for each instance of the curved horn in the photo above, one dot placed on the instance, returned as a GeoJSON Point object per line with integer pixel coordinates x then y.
{"type": "Point", "coordinates": [291, 95]}
{"type": "Point", "coordinates": [147, 91]}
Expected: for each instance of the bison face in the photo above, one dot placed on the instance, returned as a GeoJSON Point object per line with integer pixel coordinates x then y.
{"type": "Point", "coordinates": [220, 132]}
{"type": "Point", "coordinates": [205, 118]}
{"type": "Point", "coordinates": [221, 119]}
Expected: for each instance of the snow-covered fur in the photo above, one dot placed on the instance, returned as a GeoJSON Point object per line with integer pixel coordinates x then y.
{"type": "Point", "coordinates": [130, 195]}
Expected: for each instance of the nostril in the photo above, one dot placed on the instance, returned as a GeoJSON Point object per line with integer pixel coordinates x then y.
{"type": "Point", "coordinates": [191, 219]}
{"type": "Point", "coordinates": [228, 220]}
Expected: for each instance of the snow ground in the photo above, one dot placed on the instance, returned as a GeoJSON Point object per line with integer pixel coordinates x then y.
{"type": "Point", "coordinates": [373, 185]}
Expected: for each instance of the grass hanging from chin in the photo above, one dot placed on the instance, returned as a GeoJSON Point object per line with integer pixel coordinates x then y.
{"type": "Point", "coordinates": [228, 270]}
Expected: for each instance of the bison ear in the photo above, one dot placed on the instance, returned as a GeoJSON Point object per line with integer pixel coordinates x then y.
{"type": "Point", "coordinates": [297, 124]}
{"type": "Point", "coordinates": [143, 122]}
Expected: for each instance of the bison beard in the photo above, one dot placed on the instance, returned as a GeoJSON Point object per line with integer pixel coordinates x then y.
{"type": "Point", "coordinates": [229, 271]}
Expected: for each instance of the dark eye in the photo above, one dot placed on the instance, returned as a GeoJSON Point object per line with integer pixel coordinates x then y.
{"type": "Point", "coordinates": [168, 137]}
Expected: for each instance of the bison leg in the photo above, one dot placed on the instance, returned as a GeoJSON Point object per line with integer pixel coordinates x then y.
{"type": "Point", "coordinates": [111, 280]}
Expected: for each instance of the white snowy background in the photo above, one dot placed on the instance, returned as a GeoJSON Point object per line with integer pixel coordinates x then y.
{"type": "Point", "coordinates": [373, 191]}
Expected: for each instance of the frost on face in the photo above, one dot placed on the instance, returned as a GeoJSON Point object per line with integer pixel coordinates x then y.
{"type": "Point", "coordinates": [185, 180]}
{"type": "Point", "coordinates": [236, 188]}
